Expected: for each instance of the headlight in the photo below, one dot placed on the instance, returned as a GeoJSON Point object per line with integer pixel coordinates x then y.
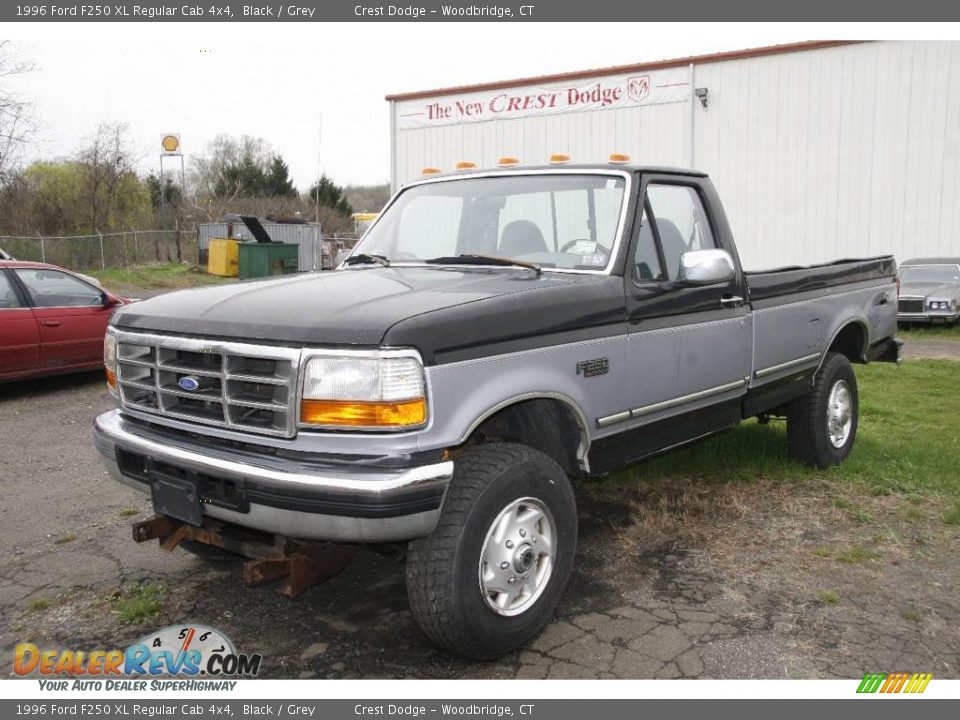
{"type": "Point", "coordinates": [110, 359]}
{"type": "Point", "coordinates": [363, 392]}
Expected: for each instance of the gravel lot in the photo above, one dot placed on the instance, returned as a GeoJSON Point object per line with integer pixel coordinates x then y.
{"type": "Point", "coordinates": [752, 581]}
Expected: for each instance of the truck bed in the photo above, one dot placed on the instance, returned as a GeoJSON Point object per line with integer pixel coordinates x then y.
{"type": "Point", "coordinates": [766, 284]}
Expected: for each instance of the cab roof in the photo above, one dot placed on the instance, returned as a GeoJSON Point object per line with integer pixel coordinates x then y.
{"type": "Point", "coordinates": [629, 167]}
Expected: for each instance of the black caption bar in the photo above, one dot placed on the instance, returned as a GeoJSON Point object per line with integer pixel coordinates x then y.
{"type": "Point", "coordinates": [479, 11]}
{"type": "Point", "coordinates": [213, 707]}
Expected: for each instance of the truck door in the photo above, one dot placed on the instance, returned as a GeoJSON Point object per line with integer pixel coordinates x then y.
{"type": "Point", "coordinates": [690, 347]}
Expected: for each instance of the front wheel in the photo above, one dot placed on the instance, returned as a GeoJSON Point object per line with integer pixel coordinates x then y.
{"type": "Point", "coordinates": [490, 576]}
{"type": "Point", "coordinates": [822, 425]}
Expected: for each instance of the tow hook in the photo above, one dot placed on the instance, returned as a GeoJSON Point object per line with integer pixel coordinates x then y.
{"type": "Point", "coordinates": [269, 557]}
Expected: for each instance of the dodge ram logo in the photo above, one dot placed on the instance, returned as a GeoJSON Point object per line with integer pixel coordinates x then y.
{"type": "Point", "coordinates": [638, 87]}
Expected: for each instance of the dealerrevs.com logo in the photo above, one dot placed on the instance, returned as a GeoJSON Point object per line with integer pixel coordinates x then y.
{"type": "Point", "coordinates": [185, 653]}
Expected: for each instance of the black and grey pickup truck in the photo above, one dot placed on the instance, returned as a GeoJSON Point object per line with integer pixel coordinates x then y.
{"type": "Point", "coordinates": [493, 334]}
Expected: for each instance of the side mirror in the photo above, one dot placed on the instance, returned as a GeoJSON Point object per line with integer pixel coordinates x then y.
{"type": "Point", "coordinates": [111, 300]}
{"type": "Point", "coordinates": [706, 267]}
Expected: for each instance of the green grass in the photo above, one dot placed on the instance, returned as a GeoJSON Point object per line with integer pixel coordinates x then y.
{"type": "Point", "coordinates": [68, 538]}
{"type": "Point", "coordinates": [170, 276]}
{"type": "Point", "coordinates": [929, 332]}
{"type": "Point", "coordinates": [915, 514]}
{"type": "Point", "coordinates": [906, 443]}
{"type": "Point", "coordinates": [140, 604]}
{"type": "Point", "coordinates": [858, 554]}
{"type": "Point", "coordinates": [39, 604]}
{"type": "Point", "coordinates": [952, 516]}
{"type": "Point", "coordinates": [862, 516]}
{"type": "Point", "coordinates": [128, 512]}
{"type": "Point", "coordinates": [911, 614]}
{"type": "Point", "coordinates": [828, 597]}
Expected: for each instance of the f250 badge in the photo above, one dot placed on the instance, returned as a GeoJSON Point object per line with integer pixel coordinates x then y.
{"type": "Point", "coordinates": [591, 368]}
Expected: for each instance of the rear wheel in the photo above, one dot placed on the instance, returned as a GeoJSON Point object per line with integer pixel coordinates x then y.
{"type": "Point", "coordinates": [490, 576]}
{"type": "Point", "coordinates": [822, 425]}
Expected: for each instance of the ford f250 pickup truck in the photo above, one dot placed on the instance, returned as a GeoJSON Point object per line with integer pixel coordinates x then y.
{"type": "Point", "coordinates": [493, 334]}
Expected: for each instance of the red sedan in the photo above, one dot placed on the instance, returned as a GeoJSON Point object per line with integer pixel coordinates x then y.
{"type": "Point", "coordinates": [52, 321]}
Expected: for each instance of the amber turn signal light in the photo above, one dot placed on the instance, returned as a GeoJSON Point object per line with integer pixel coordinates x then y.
{"type": "Point", "coordinates": [111, 378]}
{"type": "Point", "coordinates": [363, 414]}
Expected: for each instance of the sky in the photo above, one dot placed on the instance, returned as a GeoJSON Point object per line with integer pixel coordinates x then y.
{"type": "Point", "coordinates": [316, 91]}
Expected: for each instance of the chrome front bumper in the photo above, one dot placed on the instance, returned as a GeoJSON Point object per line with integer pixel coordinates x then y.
{"type": "Point", "coordinates": [928, 317]}
{"type": "Point", "coordinates": [286, 496]}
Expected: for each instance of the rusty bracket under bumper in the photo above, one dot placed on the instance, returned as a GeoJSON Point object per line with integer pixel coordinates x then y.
{"type": "Point", "coordinates": [270, 557]}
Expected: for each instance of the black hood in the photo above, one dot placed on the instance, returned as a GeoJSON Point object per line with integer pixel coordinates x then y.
{"type": "Point", "coordinates": [359, 307]}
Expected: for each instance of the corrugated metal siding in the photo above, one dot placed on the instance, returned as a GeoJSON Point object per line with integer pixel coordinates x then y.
{"type": "Point", "coordinates": [279, 232]}
{"type": "Point", "coordinates": [839, 152]}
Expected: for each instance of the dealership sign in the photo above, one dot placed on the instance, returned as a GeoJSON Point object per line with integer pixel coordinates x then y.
{"type": "Point", "coordinates": [651, 87]}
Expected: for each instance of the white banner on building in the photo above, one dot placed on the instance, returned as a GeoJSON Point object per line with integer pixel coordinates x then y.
{"type": "Point", "coordinates": [651, 87]}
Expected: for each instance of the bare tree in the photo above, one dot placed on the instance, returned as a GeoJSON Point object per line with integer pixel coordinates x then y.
{"type": "Point", "coordinates": [207, 168]}
{"type": "Point", "coordinates": [17, 122]}
{"type": "Point", "coordinates": [106, 159]}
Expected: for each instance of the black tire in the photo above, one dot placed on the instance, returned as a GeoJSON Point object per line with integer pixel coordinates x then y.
{"type": "Point", "coordinates": [808, 436]}
{"type": "Point", "coordinates": [209, 553]}
{"type": "Point", "coordinates": [443, 582]}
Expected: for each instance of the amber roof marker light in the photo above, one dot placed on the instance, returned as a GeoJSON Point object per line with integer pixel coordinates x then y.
{"type": "Point", "coordinates": [618, 158]}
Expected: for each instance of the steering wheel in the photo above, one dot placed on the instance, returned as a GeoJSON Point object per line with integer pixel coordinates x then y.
{"type": "Point", "coordinates": [570, 244]}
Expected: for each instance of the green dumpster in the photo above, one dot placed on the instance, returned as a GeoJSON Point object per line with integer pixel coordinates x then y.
{"type": "Point", "coordinates": [262, 259]}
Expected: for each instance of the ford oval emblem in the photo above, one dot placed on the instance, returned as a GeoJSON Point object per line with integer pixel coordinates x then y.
{"type": "Point", "coordinates": [188, 383]}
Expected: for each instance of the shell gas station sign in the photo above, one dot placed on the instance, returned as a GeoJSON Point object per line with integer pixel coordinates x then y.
{"type": "Point", "coordinates": [651, 87]}
{"type": "Point", "coordinates": [170, 144]}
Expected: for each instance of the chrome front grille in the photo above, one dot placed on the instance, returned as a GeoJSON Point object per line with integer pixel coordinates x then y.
{"type": "Point", "coordinates": [234, 385]}
{"type": "Point", "coordinates": [910, 305]}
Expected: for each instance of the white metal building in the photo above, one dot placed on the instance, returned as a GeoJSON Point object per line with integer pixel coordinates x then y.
{"type": "Point", "coordinates": [820, 150]}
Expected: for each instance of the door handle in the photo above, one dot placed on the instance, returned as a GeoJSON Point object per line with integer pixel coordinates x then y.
{"type": "Point", "coordinates": [50, 323]}
{"type": "Point", "coordinates": [731, 301]}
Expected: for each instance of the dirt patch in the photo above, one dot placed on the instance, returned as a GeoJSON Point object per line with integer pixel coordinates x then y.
{"type": "Point", "coordinates": [931, 348]}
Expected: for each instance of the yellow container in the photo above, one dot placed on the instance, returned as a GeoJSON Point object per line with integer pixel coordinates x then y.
{"type": "Point", "coordinates": [223, 257]}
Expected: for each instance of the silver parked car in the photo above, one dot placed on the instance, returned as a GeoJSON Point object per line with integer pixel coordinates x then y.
{"type": "Point", "coordinates": [929, 291]}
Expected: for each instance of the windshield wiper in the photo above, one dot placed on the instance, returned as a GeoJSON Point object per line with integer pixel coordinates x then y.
{"type": "Point", "coordinates": [475, 259]}
{"type": "Point", "coordinates": [366, 259]}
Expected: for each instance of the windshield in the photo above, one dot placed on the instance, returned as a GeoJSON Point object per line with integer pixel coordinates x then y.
{"type": "Point", "coordinates": [930, 273]}
{"type": "Point", "coordinates": [562, 221]}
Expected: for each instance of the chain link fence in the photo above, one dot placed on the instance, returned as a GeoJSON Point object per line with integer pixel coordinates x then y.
{"type": "Point", "coordinates": [103, 250]}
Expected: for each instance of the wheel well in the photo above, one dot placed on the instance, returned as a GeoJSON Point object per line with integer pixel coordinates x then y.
{"type": "Point", "coordinates": [546, 424]}
{"type": "Point", "coordinates": [851, 341]}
